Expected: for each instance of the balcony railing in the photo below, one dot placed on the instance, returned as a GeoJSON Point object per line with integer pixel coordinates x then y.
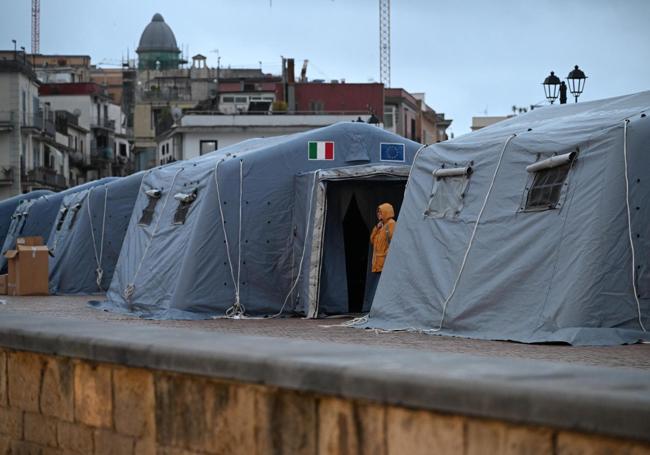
{"type": "Point", "coordinates": [101, 152]}
{"type": "Point", "coordinates": [6, 176]}
{"type": "Point", "coordinates": [39, 122]}
{"type": "Point", "coordinates": [7, 117]}
{"type": "Point", "coordinates": [45, 176]}
{"type": "Point", "coordinates": [165, 95]}
{"type": "Point", "coordinates": [104, 123]}
{"type": "Point", "coordinates": [76, 158]}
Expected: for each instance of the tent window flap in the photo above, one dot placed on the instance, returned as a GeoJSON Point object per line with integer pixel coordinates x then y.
{"type": "Point", "coordinates": [448, 192]}
{"type": "Point", "coordinates": [147, 214]}
{"type": "Point", "coordinates": [62, 213]}
{"type": "Point", "coordinates": [74, 211]}
{"type": "Point", "coordinates": [184, 202]}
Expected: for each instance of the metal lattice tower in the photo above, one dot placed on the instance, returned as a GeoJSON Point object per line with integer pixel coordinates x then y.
{"type": "Point", "coordinates": [384, 42]}
{"type": "Point", "coordinates": [36, 26]}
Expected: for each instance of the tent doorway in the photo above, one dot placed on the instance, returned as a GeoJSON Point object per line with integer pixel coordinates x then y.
{"type": "Point", "coordinates": [355, 239]}
{"type": "Point", "coordinates": [350, 216]}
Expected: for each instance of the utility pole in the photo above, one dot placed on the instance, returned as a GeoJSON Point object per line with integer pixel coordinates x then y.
{"type": "Point", "coordinates": [384, 42]}
{"type": "Point", "coordinates": [36, 26]}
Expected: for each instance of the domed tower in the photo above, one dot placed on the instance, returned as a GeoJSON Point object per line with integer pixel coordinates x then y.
{"type": "Point", "coordinates": [158, 48]}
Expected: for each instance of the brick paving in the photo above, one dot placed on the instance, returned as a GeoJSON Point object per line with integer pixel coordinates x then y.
{"type": "Point", "coordinates": [328, 330]}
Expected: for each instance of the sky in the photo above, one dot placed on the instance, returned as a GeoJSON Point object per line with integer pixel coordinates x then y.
{"type": "Point", "coordinates": [470, 57]}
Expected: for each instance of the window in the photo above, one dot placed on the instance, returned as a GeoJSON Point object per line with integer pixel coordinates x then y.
{"type": "Point", "coordinates": [74, 211]}
{"type": "Point", "coordinates": [184, 202]}
{"type": "Point", "coordinates": [389, 117]}
{"type": "Point", "coordinates": [241, 100]}
{"type": "Point", "coordinates": [62, 213]}
{"type": "Point", "coordinates": [316, 106]}
{"type": "Point", "coordinates": [228, 99]}
{"type": "Point", "coordinates": [148, 212]}
{"type": "Point", "coordinates": [448, 191]}
{"type": "Point", "coordinates": [207, 146]}
{"type": "Point", "coordinates": [549, 176]}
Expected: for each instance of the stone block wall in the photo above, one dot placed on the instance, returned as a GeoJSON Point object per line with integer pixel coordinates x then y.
{"type": "Point", "coordinates": [53, 405]}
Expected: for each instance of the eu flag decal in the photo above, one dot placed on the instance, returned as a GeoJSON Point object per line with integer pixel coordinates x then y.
{"type": "Point", "coordinates": [391, 152]}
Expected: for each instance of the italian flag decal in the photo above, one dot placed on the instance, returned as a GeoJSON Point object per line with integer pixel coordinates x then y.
{"type": "Point", "coordinates": [321, 150]}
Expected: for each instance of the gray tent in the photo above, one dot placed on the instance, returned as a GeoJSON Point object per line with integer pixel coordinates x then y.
{"type": "Point", "coordinates": [533, 230]}
{"type": "Point", "coordinates": [226, 233]}
{"type": "Point", "coordinates": [87, 237]}
{"type": "Point", "coordinates": [8, 208]}
{"type": "Point", "coordinates": [36, 217]}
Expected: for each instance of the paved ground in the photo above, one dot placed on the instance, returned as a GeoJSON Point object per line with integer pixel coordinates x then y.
{"type": "Point", "coordinates": [328, 330]}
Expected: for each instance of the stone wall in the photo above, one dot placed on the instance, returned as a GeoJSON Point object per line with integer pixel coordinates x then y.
{"type": "Point", "coordinates": [53, 405]}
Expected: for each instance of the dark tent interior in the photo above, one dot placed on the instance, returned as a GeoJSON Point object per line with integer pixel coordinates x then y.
{"type": "Point", "coordinates": [351, 215]}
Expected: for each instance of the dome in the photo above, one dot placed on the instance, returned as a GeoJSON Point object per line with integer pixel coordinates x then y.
{"type": "Point", "coordinates": [158, 37]}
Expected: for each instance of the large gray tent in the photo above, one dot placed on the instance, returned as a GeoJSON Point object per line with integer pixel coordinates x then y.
{"type": "Point", "coordinates": [8, 209]}
{"type": "Point", "coordinates": [225, 233]}
{"type": "Point", "coordinates": [534, 230]}
{"type": "Point", "coordinates": [36, 217]}
{"type": "Point", "coordinates": [86, 239]}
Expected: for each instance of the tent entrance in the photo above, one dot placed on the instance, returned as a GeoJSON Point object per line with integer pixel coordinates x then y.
{"type": "Point", "coordinates": [350, 214]}
{"type": "Point", "coordinates": [355, 239]}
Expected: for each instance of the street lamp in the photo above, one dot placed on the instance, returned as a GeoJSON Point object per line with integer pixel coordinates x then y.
{"type": "Point", "coordinates": [551, 87]}
{"type": "Point", "coordinates": [554, 87]}
{"type": "Point", "coordinates": [576, 80]}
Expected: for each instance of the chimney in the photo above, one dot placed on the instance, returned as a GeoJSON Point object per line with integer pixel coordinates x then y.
{"type": "Point", "coordinates": [291, 77]}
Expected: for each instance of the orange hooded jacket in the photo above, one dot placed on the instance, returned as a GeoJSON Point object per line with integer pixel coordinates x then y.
{"type": "Point", "coordinates": [380, 237]}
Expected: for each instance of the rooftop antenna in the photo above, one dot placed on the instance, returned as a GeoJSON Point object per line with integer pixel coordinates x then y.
{"type": "Point", "coordinates": [36, 26]}
{"type": "Point", "coordinates": [384, 42]}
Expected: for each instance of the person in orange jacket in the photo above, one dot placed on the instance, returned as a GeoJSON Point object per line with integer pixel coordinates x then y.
{"type": "Point", "coordinates": [380, 239]}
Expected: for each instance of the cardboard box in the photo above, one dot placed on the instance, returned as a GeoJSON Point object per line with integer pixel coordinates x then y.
{"type": "Point", "coordinates": [28, 268]}
{"type": "Point", "coordinates": [3, 284]}
{"type": "Point", "coordinates": [29, 241]}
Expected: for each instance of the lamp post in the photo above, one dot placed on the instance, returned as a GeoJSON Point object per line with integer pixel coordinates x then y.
{"type": "Point", "coordinates": [554, 87]}
{"type": "Point", "coordinates": [576, 80]}
{"type": "Point", "coordinates": [551, 87]}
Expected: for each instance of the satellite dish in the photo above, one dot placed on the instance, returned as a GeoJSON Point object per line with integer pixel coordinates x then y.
{"type": "Point", "coordinates": [177, 113]}
{"type": "Point", "coordinates": [77, 112]}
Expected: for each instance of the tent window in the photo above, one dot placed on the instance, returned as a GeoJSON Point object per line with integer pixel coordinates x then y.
{"type": "Point", "coordinates": [448, 192]}
{"type": "Point", "coordinates": [549, 178]}
{"type": "Point", "coordinates": [74, 210]}
{"type": "Point", "coordinates": [184, 202]}
{"type": "Point", "coordinates": [62, 213]}
{"type": "Point", "coordinates": [150, 209]}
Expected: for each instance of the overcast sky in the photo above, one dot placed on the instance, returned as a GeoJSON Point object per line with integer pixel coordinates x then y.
{"type": "Point", "coordinates": [469, 57]}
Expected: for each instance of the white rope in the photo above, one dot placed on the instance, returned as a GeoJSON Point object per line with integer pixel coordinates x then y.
{"type": "Point", "coordinates": [99, 271]}
{"type": "Point", "coordinates": [629, 224]}
{"type": "Point", "coordinates": [304, 247]}
{"type": "Point", "coordinates": [237, 310]}
{"type": "Point", "coordinates": [129, 290]}
{"type": "Point", "coordinates": [471, 238]}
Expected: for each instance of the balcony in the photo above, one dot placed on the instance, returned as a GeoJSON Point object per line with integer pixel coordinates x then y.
{"type": "Point", "coordinates": [101, 152]}
{"type": "Point", "coordinates": [165, 95]}
{"type": "Point", "coordinates": [105, 123]}
{"type": "Point", "coordinates": [7, 120]}
{"type": "Point", "coordinates": [39, 123]}
{"type": "Point", "coordinates": [76, 158]}
{"type": "Point", "coordinates": [45, 177]}
{"type": "Point", "coordinates": [6, 176]}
